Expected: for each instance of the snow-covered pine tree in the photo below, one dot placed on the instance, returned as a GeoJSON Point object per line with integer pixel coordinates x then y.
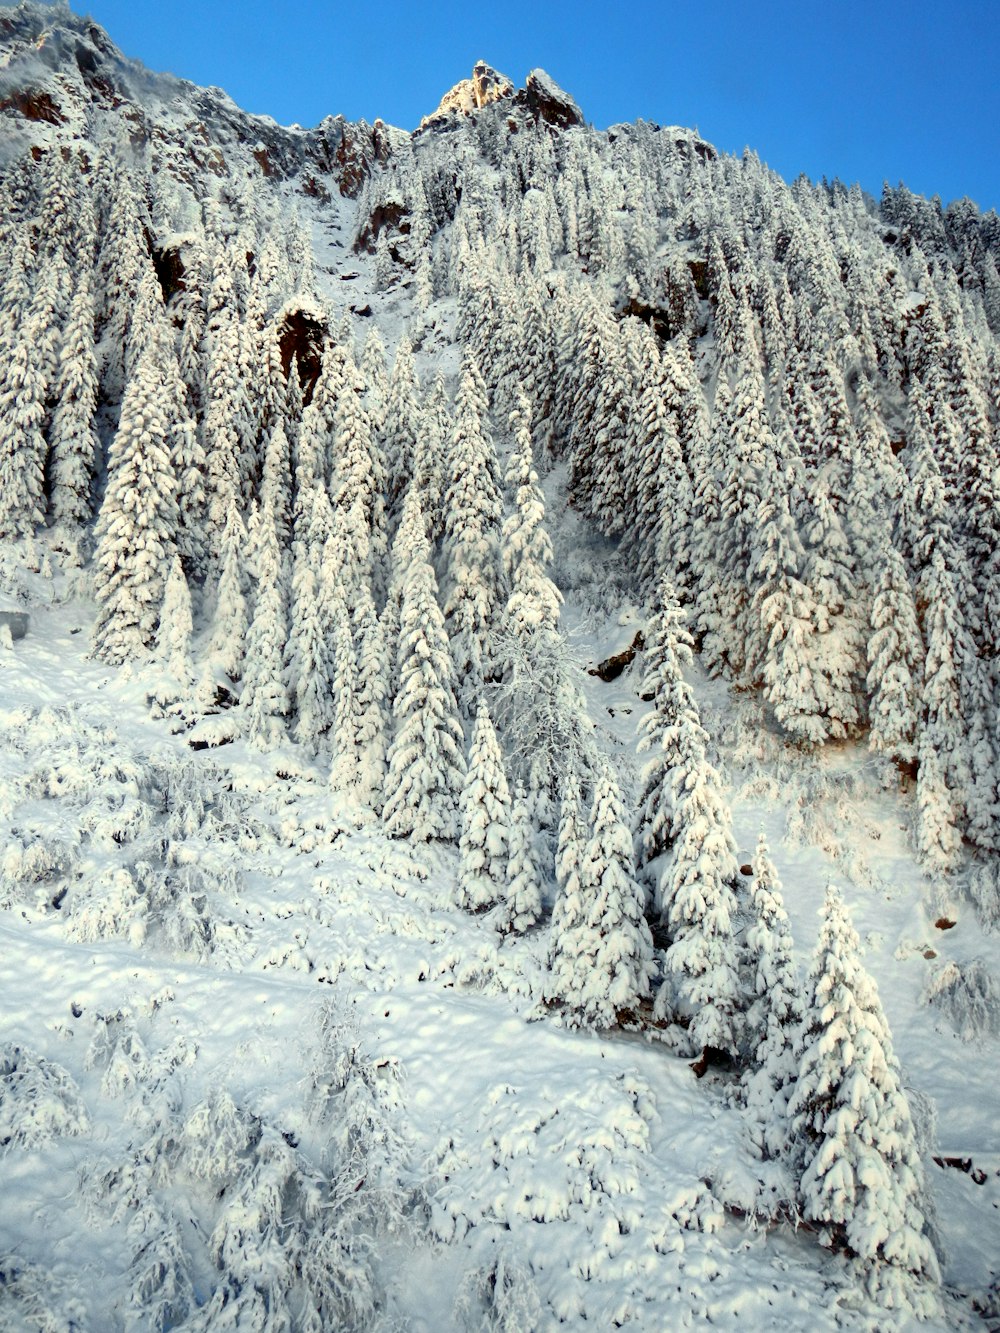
{"type": "Point", "coordinates": [775, 1012]}
{"type": "Point", "coordinates": [425, 759]}
{"type": "Point", "coordinates": [602, 950]}
{"type": "Point", "coordinates": [571, 839]}
{"type": "Point", "coordinates": [136, 527]}
{"type": "Point", "coordinates": [895, 661]}
{"type": "Point", "coordinates": [402, 428]}
{"type": "Point", "coordinates": [22, 418]}
{"type": "Point", "coordinates": [429, 455]}
{"type": "Point", "coordinates": [534, 601]}
{"type": "Point", "coordinates": [522, 907]}
{"type": "Point", "coordinates": [372, 700]}
{"type": "Point", "coordinates": [472, 521]}
{"type": "Point", "coordinates": [485, 820]}
{"type": "Point", "coordinates": [668, 650]}
{"type": "Point", "coordinates": [344, 770]}
{"type": "Point", "coordinates": [307, 656]}
{"type": "Point", "coordinates": [781, 649]}
{"type": "Point", "coordinates": [73, 442]}
{"type": "Point", "coordinates": [173, 644]}
{"type": "Point", "coordinates": [263, 698]}
{"type": "Point", "coordinates": [359, 487]}
{"type": "Point", "coordinates": [698, 904]}
{"type": "Point", "coordinates": [227, 645]}
{"type": "Point", "coordinates": [859, 1172]}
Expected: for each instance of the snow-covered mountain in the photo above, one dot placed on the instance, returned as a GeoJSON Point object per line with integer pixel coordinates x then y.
{"type": "Point", "coordinates": [499, 787]}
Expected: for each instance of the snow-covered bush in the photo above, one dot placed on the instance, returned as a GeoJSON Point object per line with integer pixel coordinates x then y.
{"type": "Point", "coordinates": [968, 996]}
{"type": "Point", "coordinates": [39, 1100]}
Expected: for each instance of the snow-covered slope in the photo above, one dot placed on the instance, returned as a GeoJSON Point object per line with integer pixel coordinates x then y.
{"type": "Point", "coordinates": [328, 1003]}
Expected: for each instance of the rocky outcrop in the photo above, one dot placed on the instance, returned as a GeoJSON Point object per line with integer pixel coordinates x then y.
{"type": "Point", "coordinates": [302, 334]}
{"type": "Point", "coordinates": [486, 86]}
{"type": "Point", "coordinates": [612, 667]}
{"type": "Point", "coordinates": [547, 101]}
{"type": "Point", "coordinates": [57, 69]}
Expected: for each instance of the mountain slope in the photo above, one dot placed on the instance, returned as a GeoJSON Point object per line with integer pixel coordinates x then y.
{"type": "Point", "coordinates": [273, 409]}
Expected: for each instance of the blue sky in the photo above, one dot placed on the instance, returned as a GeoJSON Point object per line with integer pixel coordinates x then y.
{"type": "Point", "coordinates": [863, 91]}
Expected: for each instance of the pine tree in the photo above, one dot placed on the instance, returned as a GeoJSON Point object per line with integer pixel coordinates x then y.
{"type": "Point", "coordinates": [602, 951]}
{"type": "Point", "coordinates": [775, 1012]}
{"type": "Point", "coordinates": [137, 523]}
{"type": "Point", "coordinates": [372, 700]}
{"type": "Point", "coordinates": [73, 443]}
{"type": "Point", "coordinates": [698, 905]}
{"type": "Point", "coordinates": [894, 662]}
{"type": "Point", "coordinates": [229, 626]}
{"type": "Point", "coordinates": [523, 896]}
{"type": "Point", "coordinates": [173, 643]}
{"type": "Point", "coordinates": [534, 601]}
{"type": "Point", "coordinates": [307, 658]}
{"type": "Point", "coordinates": [668, 650]}
{"type": "Point", "coordinates": [472, 521]}
{"type": "Point", "coordinates": [781, 651]}
{"type": "Point", "coordinates": [860, 1176]}
{"type": "Point", "coordinates": [344, 771]}
{"type": "Point", "coordinates": [263, 698]}
{"type": "Point", "coordinates": [22, 442]}
{"type": "Point", "coordinates": [425, 761]}
{"type": "Point", "coordinates": [486, 820]}
{"type": "Point", "coordinates": [572, 837]}
{"type": "Point", "coordinates": [402, 427]}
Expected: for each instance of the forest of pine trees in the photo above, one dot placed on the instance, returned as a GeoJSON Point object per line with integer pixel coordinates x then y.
{"type": "Point", "coordinates": [796, 463]}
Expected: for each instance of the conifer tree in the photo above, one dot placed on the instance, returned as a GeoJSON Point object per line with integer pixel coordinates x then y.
{"type": "Point", "coordinates": [472, 522]}
{"type": "Point", "coordinates": [308, 666]}
{"type": "Point", "coordinates": [534, 601]}
{"type": "Point", "coordinates": [894, 662]}
{"type": "Point", "coordinates": [523, 895]}
{"type": "Point", "coordinates": [698, 905]}
{"type": "Point", "coordinates": [138, 520]}
{"type": "Point", "coordinates": [344, 771]}
{"type": "Point", "coordinates": [73, 442]}
{"type": "Point", "coordinates": [425, 760]}
{"type": "Point", "coordinates": [781, 649]}
{"type": "Point", "coordinates": [429, 456]}
{"type": "Point", "coordinates": [173, 642]}
{"type": "Point", "coordinates": [402, 427]}
{"type": "Point", "coordinates": [668, 650]}
{"type": "Point", "coordinates": [602, 951]}
{"type": "Point", "coordinates": [22, 442]}
{"type": "Point", "coordinates": [486, 820]}
{"type": "Point", "coordinates": [263, 698]}
{"type": "Point", "coordinates": [860, 1175]}
{"type": "Point", "coordinates": [372, 700]}
{"type": "Point", "coordinates": [229, 625]}
{"type": "Point", "coordinates": [775, 1012]}
{"type": "Point", "coordinates": [572, 837]}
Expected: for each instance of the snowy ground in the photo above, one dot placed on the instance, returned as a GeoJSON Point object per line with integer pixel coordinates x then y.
{"type": "Point", "coordinates": [601, 1161]}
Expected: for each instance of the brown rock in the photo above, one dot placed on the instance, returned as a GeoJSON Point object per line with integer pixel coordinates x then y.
{"type": "Point", "coordinates": [612, 667]}
{"type": "Point", "coordinates": [34, 106]}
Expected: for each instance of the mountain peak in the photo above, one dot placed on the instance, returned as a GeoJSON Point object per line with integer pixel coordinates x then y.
{"type": "Point", "coordinates": [541, 95]}
{"type": "Point", "coordinates": [485, 86]}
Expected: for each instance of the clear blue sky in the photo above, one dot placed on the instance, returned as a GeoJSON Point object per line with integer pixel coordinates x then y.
{"type": "Point", "coordinates": [864, 91]}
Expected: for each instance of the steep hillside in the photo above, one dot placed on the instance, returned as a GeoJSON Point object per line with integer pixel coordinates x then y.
{"type": "Point", "coordinates": [499, 789]}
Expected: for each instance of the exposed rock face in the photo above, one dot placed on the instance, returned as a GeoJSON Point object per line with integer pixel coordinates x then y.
{"type": "Point", "coordinates": [487, 85]}
{"type": "Point", "coordinates": [549, 103]}
{"type": "Point", "coordinates": [303, 334]}
{"type": "Point", "coordinates": [59, 69]}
